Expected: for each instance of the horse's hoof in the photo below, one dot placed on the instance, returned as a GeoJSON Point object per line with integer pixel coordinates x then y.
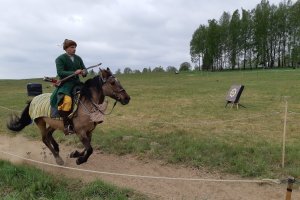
{"type": "Point", "coordinates": [80, 160]}
{"type": "Point", "coordinates": [59, 161]}
{"type": "Point", "coordinates": [74, 154]}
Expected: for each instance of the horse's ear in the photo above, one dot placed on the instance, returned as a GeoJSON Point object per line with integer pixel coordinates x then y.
{"type": "Point", "coordinates": [104, 74]}
{"type": "Point", "coordinates": [109, 72]}
{"type": "Point", "coordinates": [100, 72]}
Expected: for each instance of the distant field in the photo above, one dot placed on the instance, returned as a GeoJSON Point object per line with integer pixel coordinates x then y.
{"type": "Point", "coordinates": [181, 119]}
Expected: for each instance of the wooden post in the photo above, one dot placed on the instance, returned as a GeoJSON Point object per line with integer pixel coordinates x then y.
{"type": "Point", "coordinates": [289, 189]}
{"type": "Point", "coordinates": [284, 133]}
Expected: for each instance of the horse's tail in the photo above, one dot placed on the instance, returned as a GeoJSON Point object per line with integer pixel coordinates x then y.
{"type": "Point", "coordinates": [17, 123]}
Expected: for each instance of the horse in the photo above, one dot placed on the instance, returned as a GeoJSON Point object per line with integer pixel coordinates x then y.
{"type": "Point", "coordinates": [92, 94]}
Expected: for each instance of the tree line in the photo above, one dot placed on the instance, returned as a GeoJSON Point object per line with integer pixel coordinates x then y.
{"type": "Point", "coordinates": [267, 36]}
{"type": "Point", "coordinates": [185, 66]}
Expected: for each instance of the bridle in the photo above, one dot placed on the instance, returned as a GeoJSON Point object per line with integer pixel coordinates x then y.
{"type": "Point", "coordinates": [114, 93]}
{"type": "Point", "coordinates": [95, 105]}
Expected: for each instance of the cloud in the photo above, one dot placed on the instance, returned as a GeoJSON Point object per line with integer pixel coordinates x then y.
{"type": "Point", "coordinates": [120, 33]}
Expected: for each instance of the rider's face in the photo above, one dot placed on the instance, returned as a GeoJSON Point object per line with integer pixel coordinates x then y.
{"type": "Point", "coordinates": [71, 50]}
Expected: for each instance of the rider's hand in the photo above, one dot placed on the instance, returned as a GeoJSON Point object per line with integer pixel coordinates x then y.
{"type": "Point", "coordinates": [84, 72]}
{"type": "Point", "coordinates": [78, 71]}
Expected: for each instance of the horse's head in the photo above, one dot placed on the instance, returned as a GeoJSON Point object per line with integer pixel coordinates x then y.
{"type": "Point", "coordinates": [112, 87]}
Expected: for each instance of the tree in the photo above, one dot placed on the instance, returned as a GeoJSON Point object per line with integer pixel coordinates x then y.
{"type": "Point", "coordinates": [171, 69]}
{"type": "Point", "coordinates": [92, 72]}
{"type": "Point", "coordinates": [268, 35]}
{"type": "Point", "coordinates": [197, 68]}
{"type": "Point", "coordinates": [296, 56]}
{"type": "Point", "coordinates": [197, 44]}
{"type": "Point", "coordinates": [158, 69]}
{"type": "Point", "coordinates": [145, 70]}
{"type": "Point", "coordinates": [295, 33]}
{"type": "Point", "coordinates": [136, 71]}
{"type": "Point", "coordinates": [127, 70]}
{"type": "Point", "coordinates": [118, 71]}
{"type": "Point", "coordinates": [261, 31]}
{"type": "Point", "coordinates": [245, 34]}
{"type": "Point", "coordinates": [212, 54]}
{"type": "Point", "coordinates": [224, 39]}
{"type": "Point", "coordinates": [185, 66]}
{"type": "Point", "coordinates": [234, 38]}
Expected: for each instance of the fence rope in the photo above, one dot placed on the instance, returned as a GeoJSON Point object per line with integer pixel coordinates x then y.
{"type": "Point", "coordinates": [294, 113]}
{"type": "Point", "coordinates": [9, 109]}
{"type": "Point", "coordinates": [267, 180]}
{"type": "Point", "coordinates": [216, 122]}
{"type": "Point", "coordinates": [192, 123]}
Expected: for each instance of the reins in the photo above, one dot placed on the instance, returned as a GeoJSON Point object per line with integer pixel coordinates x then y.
{"type": "Point", "coordinates": [97, 108]}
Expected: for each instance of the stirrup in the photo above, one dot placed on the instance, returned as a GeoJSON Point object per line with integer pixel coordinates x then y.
{"type": "Point", "coordinates": [68, 130]}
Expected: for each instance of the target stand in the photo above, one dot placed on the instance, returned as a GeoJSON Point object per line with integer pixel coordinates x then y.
{"type": "Point", "coordinates": [233, 96]}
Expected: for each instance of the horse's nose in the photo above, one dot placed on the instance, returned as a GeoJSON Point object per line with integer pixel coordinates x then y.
{"type": "Point", "coordinates": [126, 100]}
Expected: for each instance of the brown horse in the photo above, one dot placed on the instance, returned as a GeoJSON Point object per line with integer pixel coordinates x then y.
{"type": "Point", "coordinates": [92, 95]}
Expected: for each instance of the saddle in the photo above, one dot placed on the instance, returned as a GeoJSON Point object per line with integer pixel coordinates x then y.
{"type": "Point", "coordinates": [75, 98]}
{"type": "Point", "coordinates": [40, 107]}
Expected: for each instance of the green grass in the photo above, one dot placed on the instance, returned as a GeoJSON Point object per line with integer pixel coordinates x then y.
{"type": "Point", "coordinates": [26, 183]}
{"type": "Point", "coordinates": [181, 119]}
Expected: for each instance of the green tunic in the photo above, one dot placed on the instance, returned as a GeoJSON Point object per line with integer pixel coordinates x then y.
{"type": "Point", "coordinates": [65, 67]}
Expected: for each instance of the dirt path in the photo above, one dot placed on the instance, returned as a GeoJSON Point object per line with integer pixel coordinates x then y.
{"type": "Point", "coordinates": [154, 188]}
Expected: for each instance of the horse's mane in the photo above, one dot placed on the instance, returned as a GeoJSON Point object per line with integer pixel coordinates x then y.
{"type": "Point", "coordinates": [95, 82]}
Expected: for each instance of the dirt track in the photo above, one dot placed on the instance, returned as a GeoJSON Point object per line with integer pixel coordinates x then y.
{"type": "Point", "coordinates": [154, 188]}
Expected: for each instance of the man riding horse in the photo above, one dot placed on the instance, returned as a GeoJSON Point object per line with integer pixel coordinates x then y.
{"type": "Point", "coordinates": [67, 64]}
{"type": "Point", "coordinates": [89, 110]}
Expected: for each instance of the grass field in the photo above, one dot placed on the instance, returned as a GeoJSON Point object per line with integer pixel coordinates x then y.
{"type": "Point", "coordinates": [26, 183]}
{"type": "Point", "coordinates": [181, 119]}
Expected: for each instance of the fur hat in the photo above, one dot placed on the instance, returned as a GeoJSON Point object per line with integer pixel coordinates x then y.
{"type": "Point", "coordinates": [67, 43]}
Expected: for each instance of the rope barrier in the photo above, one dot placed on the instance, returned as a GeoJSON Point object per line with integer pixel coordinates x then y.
{"type": "Point", "coordinates": [192, 123]}
{"type": "Point", "coordinates": [9, 109]}
{"type": "Point", "coordinates": [295, 113]}
{"type": "Point", "coordinates": [275, 181]}
{"type": "Point", "coordinates": [215, 122]}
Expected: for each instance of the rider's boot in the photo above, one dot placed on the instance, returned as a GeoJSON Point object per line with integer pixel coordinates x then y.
{"type": "Point", "coordinates": [68, 123]}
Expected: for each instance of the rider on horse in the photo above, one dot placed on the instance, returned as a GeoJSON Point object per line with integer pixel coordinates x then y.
{"type": "Point", "coordinates": [67, 64]}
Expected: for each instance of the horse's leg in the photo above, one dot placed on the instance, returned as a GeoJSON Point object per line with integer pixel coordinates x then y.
{"type": "Point", "coordinates": [76, 154]}
{"type": "Point", "coordinates": [52, 140]}
{"type": "Point", "coordinates": [86, 141]}
{"type": "Point", "coordinates": [45, 137]}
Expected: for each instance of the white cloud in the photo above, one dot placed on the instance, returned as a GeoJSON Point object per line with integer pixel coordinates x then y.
{"type": "Point", "coordinates": [120, 33]}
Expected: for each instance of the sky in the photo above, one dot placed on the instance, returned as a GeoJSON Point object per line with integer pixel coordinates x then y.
{"type": "Point", "coordinates": [117, 33]}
